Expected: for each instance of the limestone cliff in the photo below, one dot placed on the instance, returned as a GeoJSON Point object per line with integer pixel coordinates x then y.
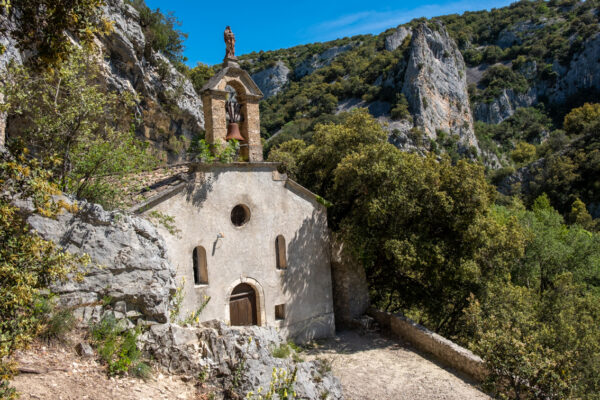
{"type": "Point", "coordinates": [435, 85]}
{"type": "Point", "coordinates": [503, 106]}
{"type": "Point", "coordinates": [169, 108]}
{"type": "Point", "coordinates": [393, 41]}
{"type": "Point", "coordinates": [273, 79]}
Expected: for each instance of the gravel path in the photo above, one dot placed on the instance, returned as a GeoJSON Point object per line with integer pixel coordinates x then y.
{"type": "Point", "coordinates": [373, 367]}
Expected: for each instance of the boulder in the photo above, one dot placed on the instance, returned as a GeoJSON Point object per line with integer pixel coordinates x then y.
{"type": "Point", "coordinates": [129, 272]}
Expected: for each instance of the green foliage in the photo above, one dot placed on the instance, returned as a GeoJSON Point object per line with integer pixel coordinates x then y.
{"type": "Point", "coordinates": [176, 301]}
{"type": "Point", "coordinates": [523, 153]}
{"type": "Point", "coordinates": [498, 78]}
{"type": "Point", "coordinates": [80, 132]}
{"type": "Point", "coordinates": [400, 110]}
{"type": "Point", "coordinates": [56, 321]}
{"type": "Point", "coordinates": [580, 119]}
{"type": "Point", "coordinates": [201, 151]}
{"type": "Point", "coordinates": [117, 346]}
{"type": "Point", "coordinates": [287, 153]}
{"type": "Point", "coordinates": [200, 74]}
{"type": "Point", "coordinates": [28, 264]}
{"type": "Point", "coordinates": [424, 242]}
{"type": "Point", "coordinates": [282, 351]}
{"type": "Point", "coordinates": [537, 326]}
{"type": "Point", "coordinates": [527, 124]}
{"type": "Point", "coordinates": [579, 215]}
{"type": "Point", "coordinates": [42, 26]}
{"type": "Point", "coordinates": [167, 221]}
{"type": "Point", "coordinates": [569, 171]}
{"type": "Point", "coordinates": [161, 32]}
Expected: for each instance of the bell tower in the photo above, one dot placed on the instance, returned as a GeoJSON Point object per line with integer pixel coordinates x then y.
{"type": "Point", "coordinates": [230, 100]}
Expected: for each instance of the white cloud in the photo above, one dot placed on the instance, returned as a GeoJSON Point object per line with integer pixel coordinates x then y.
{"type": "Point", "coordinates": [378, 21]}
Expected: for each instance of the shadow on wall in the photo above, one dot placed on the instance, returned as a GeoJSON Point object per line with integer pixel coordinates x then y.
{"type": "Point", "coordinates": [196, 192]}
{"type": "Point", "coordinates": [307, 280]}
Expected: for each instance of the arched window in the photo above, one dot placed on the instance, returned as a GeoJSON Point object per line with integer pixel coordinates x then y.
{"type": "Point", "coordinates": [200, 270]}
{"type": "Point", "coordinates": [280, 251]}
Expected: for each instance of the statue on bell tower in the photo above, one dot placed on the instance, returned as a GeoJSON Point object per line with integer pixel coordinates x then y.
{"type": "Point", "coordinates": [229, 44]}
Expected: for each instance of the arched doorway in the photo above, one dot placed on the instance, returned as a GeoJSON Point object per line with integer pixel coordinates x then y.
{"type": "Point", "coordinates": [242, 306]}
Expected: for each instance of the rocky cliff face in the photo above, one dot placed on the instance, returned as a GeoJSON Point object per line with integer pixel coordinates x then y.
{"type": "Point", "coordinates": [168, 105]}
{"type": "Point", "coordinates": [317, 61]}
{"type": "Point", "coordinates": [393, 41]}
{"type": "Point", "coordinates": [273, 79]}
{"type": "Point", "coordinates": [435, 85]}
{"type": "Point", "coordinates": [503, 106]}
{"type": "Point", "coordinates": [129, 263]}
{"type": "Point", "coordinates": [582, 74]}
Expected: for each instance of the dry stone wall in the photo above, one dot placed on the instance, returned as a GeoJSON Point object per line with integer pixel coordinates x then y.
{"type": "Point", "coordinates": [441, 348]}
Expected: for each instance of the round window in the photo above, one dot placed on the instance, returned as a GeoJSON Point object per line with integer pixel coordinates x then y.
{"type": "Point", "coordinates": [240, 215]}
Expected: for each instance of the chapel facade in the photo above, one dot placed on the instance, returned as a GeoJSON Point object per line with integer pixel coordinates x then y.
{"type": "Point", "coordinates": [249, 238]}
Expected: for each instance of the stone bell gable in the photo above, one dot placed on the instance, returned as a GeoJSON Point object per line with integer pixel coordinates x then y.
{"type": "Point", "coordinates": [214, 95]}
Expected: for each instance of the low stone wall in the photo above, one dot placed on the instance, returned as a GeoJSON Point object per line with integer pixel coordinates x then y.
{"type": "Point", "coordinates": [441, 348]}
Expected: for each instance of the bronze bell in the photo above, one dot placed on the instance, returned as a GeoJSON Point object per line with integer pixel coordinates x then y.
{"type": "Point", "coordinates": [233, 132]}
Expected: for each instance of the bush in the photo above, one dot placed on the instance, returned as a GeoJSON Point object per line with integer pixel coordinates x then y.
{"type": "Point", "coordinates": [28, 264]}
{"type": "Point", "coordinates": [79, 131]}
{"type": "Point", "coordinates": [161, 32]}
{"type": "Point", "coordinates": [117, 346]}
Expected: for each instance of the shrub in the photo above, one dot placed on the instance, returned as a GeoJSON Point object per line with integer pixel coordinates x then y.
{"type": "Point", "coordinates": [28, 264]}
{"type": "Point", "coordinates": [117, 346]}
{"type": "Point", "coordinates": [161, 32]}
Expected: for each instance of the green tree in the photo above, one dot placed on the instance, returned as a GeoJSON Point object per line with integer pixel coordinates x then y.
{"type": "Point", "coordinates": [580, 215]}
{"type": "Point", "coordinates": [537, 326]}
{"type": "Point", "coordinates": [579, 119]}
{"type": "Point", "coordinates": [421, 227]}
{"type": "Point", "coordinates": [79, 130]}
{"type": "Point", "coordinates": [162, 33]}
{"type": "Point", "coordinates": [200, 74]}
{"type": "Point", "coordinates": [523, 153]}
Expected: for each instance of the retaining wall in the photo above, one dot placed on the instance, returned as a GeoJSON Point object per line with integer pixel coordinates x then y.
{"type": "Point", "coordinates": [425, 340]}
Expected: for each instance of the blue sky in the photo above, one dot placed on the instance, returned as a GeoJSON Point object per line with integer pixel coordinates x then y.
{"type": "Point", "coordinates": [271, 25]}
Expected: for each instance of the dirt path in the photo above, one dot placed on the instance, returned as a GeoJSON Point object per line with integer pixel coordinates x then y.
{"type": "Point", "coordinates": [373, 367]}
{"type": "Point", "coordinates": [58, 373]}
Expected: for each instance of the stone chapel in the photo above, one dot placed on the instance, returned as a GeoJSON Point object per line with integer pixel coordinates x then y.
{"type": "Point", "coordinates": [251, 239]}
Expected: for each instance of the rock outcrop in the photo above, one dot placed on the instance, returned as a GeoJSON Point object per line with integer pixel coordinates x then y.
{"type": "Point", "coordinates": [129, 263]}
{"type": "Point", "coordinates": [168, 104]}
{"type": "Point", "coordinates": [395, 40]}
{"type": "Point", "coordinates": [317, 61]}
{"type": "Point", "coordinates": [503, 106]}
{"type": "Point", "coordinates": [240, 359]}
{"type": "Point", "coordinates": [435, 85]}
{"type": "Point", "coordinates": [273, 79]}
{"type": "Point", "coordinates": [582, 74]}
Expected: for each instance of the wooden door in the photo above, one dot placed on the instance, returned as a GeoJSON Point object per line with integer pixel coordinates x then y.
{"type": "Point", "coordinates": [242, 306]}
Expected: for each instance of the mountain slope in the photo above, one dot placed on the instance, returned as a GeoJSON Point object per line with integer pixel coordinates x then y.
{"type": "Point", "coordinates": [532, 53]}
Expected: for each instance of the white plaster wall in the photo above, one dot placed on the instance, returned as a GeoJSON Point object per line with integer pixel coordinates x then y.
{"type": "Point", "coordinates": [247, 253]}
